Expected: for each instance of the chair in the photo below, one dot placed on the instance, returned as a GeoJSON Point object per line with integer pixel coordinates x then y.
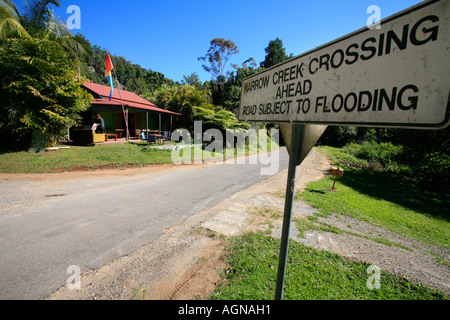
{"type": "Point", "coordinates": [151, 138]}
{"type": "Point", "coordinates": [166, 135]}
{"type": "Point", "coordinates": [143, 136]}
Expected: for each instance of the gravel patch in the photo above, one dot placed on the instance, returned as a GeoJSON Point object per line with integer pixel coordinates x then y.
{"type": "Point", "coordinates": [414, 260]}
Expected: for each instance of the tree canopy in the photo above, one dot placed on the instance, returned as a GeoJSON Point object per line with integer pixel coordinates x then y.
{"type": "Point", "coordinates": [217, 57]}
{"type": "Point", "coordinates": [275, 53]}
{"type": "Point", "coordinates": [131, 77]}
{"type": "Point", "coordinates": [216, 117]}
{"type": "Point", "coordinates": [40, 89]}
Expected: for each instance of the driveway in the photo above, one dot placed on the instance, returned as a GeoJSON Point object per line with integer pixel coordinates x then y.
{"type": "Point", "coordinates": [48, 225]}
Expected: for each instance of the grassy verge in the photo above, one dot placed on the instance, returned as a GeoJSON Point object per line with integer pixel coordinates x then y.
{"type": "Point", "coordinates": [117, 155]}
{"type": "Point", "coordinates": [107, 156]}
{"type": "Point", "coordinates": [310, 275]}
{"type": "Point", "coordinates": [367, 192]}
{"type": "Point", "coordinates": [384, 200]}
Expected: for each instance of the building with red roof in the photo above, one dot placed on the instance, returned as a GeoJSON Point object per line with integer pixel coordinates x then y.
{"type": "Point", "coordinates": [126, 108]}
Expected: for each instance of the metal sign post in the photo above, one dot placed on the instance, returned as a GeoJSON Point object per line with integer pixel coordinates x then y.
{"type": "Point", "coordinates": [299, 139]}
{"type": "Point", "coordinates": [290, 193]}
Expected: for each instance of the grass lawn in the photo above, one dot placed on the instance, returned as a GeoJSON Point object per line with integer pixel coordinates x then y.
{"type": "Point", "coordinates": [115, 155]}
{"type": "Point", "coordinates": [310, 275]}
{"type": "Point", "coordinates": [108, 156]}
{"type": "Point", "coordinates": [385, 200]}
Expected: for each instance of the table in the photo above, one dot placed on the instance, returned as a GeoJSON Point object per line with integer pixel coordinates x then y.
{"type": "Point", "coordinates": [119, 132]}
{"type": "Point", "coordinates": [107, 135]}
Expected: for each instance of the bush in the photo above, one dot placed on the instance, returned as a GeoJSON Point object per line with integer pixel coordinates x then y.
{"type": "Point", "coordinates": [339, 136]}
{"type": "Point", "coordinates": [421, 155]}
{"type": "Point", "coordinates": [434, 170]}
{"type": "Point", "coordinates": [378, 156]}
{"type": "Point", "coordinates": [430, 170]}
{"type": "Point", "coordinates": [384, 154]}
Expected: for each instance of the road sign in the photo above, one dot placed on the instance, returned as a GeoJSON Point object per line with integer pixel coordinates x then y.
{"type": "Point", "coordinates": [395, 76]}
{"type": "Point", "coordinates": [310, 134]}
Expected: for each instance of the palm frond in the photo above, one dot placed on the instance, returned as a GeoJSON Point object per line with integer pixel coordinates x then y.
{"type": "Point", "coordinates": [71, 44]}
{"type": "Point", "coordinates": [11, 7]}
{"type": "Point", "coordinates": [57, 27]}
{"type": "Point", "coordinates": [38, 14]}
{"type": "Point", "coordinates": [10, 25]}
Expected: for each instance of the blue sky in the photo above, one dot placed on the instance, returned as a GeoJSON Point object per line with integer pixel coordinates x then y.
{"type": "Point", "coordinates": [168, 35]}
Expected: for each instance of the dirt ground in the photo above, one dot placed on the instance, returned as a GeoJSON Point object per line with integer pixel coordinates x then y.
{"type": "Point", "coordinates": [84, 172]}
{"type": "Point", "coordinates": [186, 261]}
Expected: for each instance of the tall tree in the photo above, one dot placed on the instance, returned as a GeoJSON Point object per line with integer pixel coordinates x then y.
{"type": "Point", "coordinates": [39, 63]}
{"type": "Point", "coordinates": [192, 80]}
{"type": "Point", "coordinates": [218, 55]}
{"type": "Point", "coordinates": [39, 89]}
{"type": "Point", "coordinates": [228, 94]}
{"type": "Point", "coordinates": [275, 53]}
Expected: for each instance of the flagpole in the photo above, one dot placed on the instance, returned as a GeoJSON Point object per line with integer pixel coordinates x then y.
{"type": "Point", "coordinates": [127, 133]}
{"type": "Point", "coordinates": [123, 109]}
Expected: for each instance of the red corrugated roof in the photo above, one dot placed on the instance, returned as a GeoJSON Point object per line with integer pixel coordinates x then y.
{"type": "Point", "coordinates": [129, 99]}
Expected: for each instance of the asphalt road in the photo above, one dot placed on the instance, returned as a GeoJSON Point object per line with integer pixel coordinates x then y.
{"type": "Point", "coordinates": [48, 226]}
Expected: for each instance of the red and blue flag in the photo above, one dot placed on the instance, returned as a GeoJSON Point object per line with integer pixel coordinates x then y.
{"type": "Point", "coordinates": [108, 68]}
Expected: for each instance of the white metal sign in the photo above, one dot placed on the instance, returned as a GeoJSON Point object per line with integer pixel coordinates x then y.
{"type": "Point", "coordinates": [395, 76]}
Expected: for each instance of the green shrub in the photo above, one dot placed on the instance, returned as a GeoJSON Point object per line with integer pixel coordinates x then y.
{"type": "Point", "coordinates": [430, 170]}
{"type": "Point", "coordinates": [434, 170]}
{"type": "Point", "coordinates": [372, 155]}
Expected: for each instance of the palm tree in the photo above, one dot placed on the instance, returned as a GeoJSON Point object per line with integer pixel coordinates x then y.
{"type": "Point", "coordinates": [11, 21]}
{"type": "Point", "coordinates": [38, 20]}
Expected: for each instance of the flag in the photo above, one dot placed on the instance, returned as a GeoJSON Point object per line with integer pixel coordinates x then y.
{"type": "Point", "coordinates": [108, 68]}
